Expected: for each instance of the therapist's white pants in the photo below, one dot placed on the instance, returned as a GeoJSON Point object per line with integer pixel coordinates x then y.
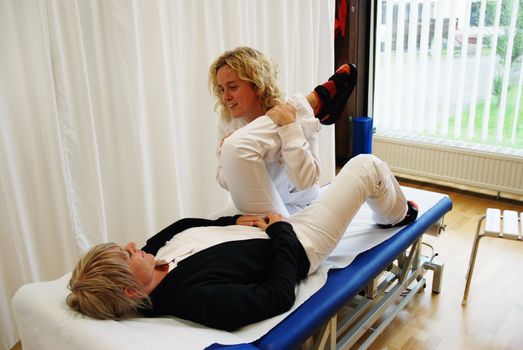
{"type": "Point", "coordinates": [365, 178]}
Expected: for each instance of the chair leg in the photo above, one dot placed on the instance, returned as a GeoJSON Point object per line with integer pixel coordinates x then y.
{"type": "Point", "coordinates": [472, 261]}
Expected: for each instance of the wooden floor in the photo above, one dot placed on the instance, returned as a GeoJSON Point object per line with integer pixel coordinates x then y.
{"type": "Point", "coordinates": [493, 318]}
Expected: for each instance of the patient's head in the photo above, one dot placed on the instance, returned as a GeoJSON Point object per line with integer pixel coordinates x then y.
{"type": "Point", "coordinates": [251, 66]}
{"type": "Point", "coordinates": [103, 287]}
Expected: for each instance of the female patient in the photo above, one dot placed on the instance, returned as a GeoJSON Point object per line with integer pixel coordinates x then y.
{"type": "Point", "coordinates": [285, 136]}
{"type": "Point", "coordinates": [233, 271]}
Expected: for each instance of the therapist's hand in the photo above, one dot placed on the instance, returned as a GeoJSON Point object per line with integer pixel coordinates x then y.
{"type": "Point", "coordinates": [282, 114]}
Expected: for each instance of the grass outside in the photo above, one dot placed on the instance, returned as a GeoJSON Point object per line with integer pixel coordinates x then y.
{"type": "Point", "coordinates": [492, 125]}
{"type": "Point", "coordinates": [508, 124]}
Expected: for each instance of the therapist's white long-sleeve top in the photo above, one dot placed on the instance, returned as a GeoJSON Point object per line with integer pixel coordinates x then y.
{"type": "Point", "coordinates": [290, 153]}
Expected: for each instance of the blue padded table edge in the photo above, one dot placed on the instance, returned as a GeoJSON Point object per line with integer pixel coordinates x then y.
{"type": "Point", "coordinates": [344, 284]}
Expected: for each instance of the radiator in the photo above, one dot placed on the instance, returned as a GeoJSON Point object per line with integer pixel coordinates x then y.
{"type": "Point", "coordinates": [501, 173]}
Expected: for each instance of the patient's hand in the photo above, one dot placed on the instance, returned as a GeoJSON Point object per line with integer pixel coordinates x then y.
{"type": "Point", "coordinates": [270, 219]}
{"type": "Point", "coordinates": [250, 220]}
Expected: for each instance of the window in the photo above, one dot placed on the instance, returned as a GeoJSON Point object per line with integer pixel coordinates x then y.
{"type": "Point", "coordinates": [450, 71]}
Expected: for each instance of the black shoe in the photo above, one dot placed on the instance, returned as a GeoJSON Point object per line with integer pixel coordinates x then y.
{"type": "Point", "coordinates": [412, 214]}
{"type": "Point", "coordinates": [331, 107]}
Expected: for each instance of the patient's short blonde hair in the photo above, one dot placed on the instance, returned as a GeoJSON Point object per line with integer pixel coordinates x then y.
{"type": "Point", "coordinates": [99, 282]}
{"type": "Point", "coordinates": [252, 66]}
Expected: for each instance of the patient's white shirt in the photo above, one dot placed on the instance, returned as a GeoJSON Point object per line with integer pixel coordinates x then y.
{"type": "Point", "coordinates": [195, 239]}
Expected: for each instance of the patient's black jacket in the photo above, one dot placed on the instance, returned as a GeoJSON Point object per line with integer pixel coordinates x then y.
{"type": "Point", "coordinates": [231, 284]}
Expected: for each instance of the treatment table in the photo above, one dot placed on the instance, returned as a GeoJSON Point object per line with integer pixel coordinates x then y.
{"type": "Point", "coordinates": [338, 311]}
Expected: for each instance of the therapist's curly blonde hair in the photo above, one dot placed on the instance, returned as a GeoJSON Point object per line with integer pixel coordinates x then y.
{"type": "Point", "coordinates": [252, 66]}
{"type": "Point", "coordinates": [99, 282]}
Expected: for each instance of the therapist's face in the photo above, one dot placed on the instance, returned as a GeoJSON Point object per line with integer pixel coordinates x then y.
{"type": "Point", "coordinates": [141, 263]}
{"type": "Point", "coordinates": [239, 96]}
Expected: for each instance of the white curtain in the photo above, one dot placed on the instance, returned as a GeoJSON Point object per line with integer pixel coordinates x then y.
{"type": "Point", "coordinates": [107, 128]}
